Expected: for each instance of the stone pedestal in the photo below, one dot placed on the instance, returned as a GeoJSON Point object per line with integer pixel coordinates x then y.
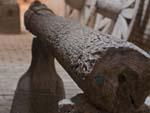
{"type": "Point", "coordinates": [9, 17]}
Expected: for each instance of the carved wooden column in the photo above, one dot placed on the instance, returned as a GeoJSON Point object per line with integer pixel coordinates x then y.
{"type": "Point", "coordinates": [40, 88]}
{"type": "Point", "coordinates": [9, 16]}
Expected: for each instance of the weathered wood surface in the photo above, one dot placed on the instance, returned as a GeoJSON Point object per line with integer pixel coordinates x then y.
{"type": "Point", "coordinates": [80, 104]}
{"type": "Point", "coordinates": [40, 88]}
{"type": "Point", "coordinates": [111, 72]}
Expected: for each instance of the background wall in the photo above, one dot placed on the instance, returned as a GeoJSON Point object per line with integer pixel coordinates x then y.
{"type": "Point", "coordinates": [56, 5]}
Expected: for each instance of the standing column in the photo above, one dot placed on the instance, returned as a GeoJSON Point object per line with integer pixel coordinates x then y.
{"type": "Point", "coordinates": [9, 16]}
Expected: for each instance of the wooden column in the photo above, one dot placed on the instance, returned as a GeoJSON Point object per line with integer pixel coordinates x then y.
{"type": "Point", "coordinates": [40, 88]}
{"type": "Point", "coordinates": [111, 72]}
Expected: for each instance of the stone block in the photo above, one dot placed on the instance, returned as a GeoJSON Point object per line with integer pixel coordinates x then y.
{"type": "Point", "coordinates": [9, 18]}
